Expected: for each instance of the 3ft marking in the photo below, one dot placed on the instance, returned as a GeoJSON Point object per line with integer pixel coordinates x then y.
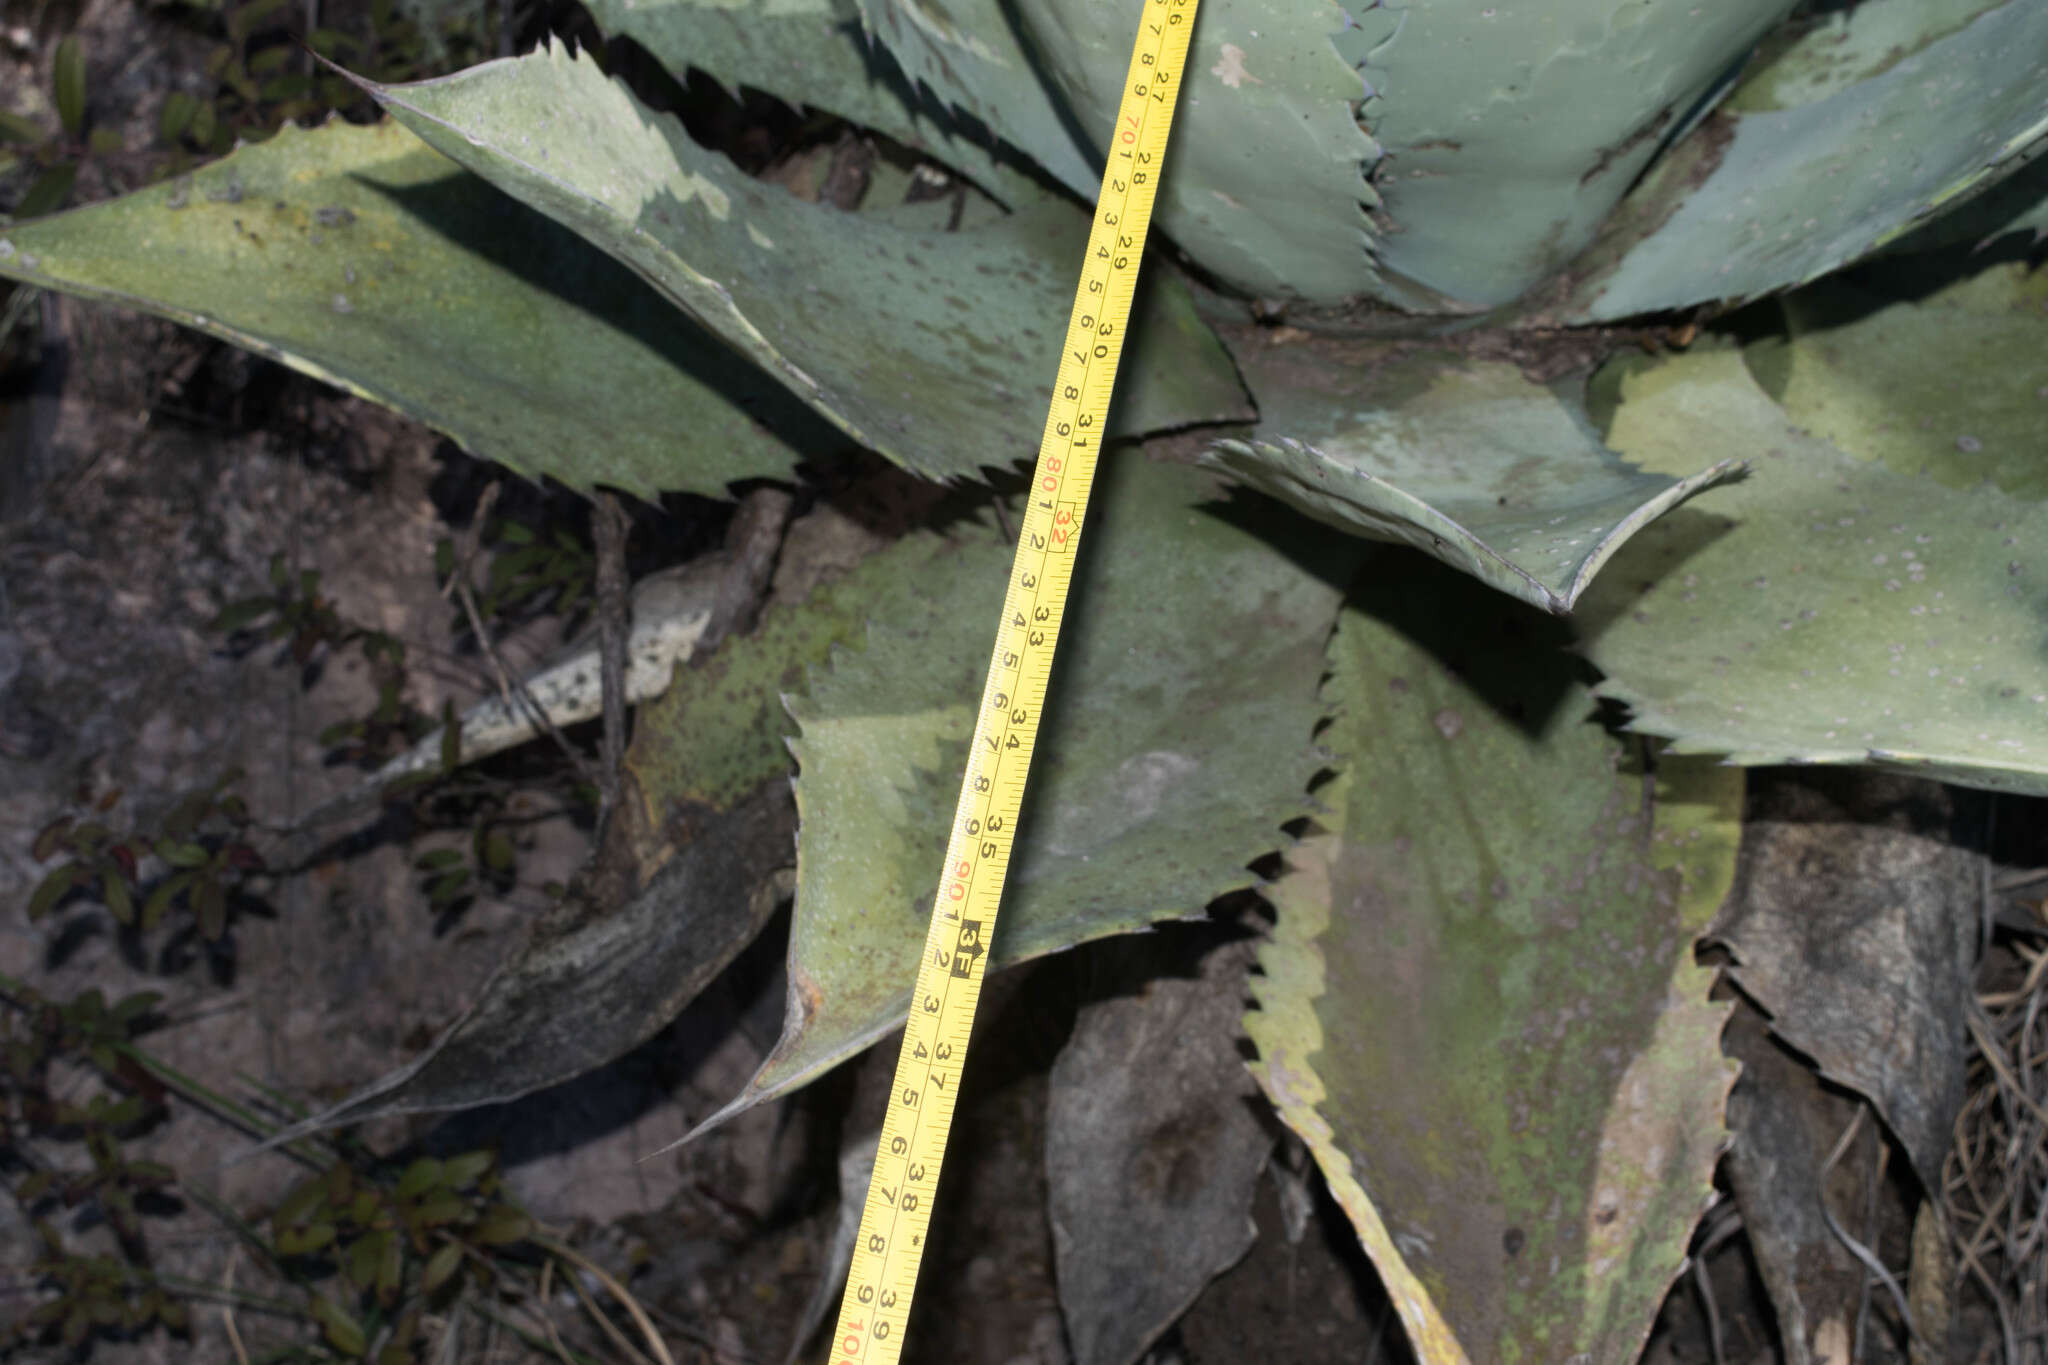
{"type": "Point", "coordinates": [896, 1219]}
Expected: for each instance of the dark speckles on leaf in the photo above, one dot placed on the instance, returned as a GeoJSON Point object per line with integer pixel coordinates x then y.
{"type": "Point", "coordinates": [332, 215]}
{"type": "Point", "coordinates": [1512, 1241]}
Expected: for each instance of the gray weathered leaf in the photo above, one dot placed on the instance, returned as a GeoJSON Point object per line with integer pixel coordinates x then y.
{"type": "Point", "coordinates": [1867, 125]}
{"type": "Point", "coordinates": [1853, 927]}
{"type": "Point", "coordinates": [1152, 1149]}
{"type": "Point", "coordinates": [1785, 1123]}
{"type": "Point", "coordinates": [597, 975]}
{"type": "Point", "coordinates": [1854, 924]}
{"type": "Point", "coordinates": [934, 348]}
{"type": "Point", "coordinates": [1465, 459]}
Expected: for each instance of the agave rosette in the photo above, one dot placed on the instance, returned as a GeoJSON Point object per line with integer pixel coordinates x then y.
{"type": "Point", "coordinates": [1427, 195]}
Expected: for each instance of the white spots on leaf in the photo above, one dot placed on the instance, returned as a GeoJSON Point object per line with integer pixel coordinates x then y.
{"type": "Point", "coordinates": [1230, 68]}
{"type": "Point", "coordinates": [342, 305]}
{"type": "Point", "coordinates": [1969, 445]}
{"type": "Point", "coordinates": [760, 238]}
{"type": "Point", "coordinates": [941, 30]}
{"type": "Point", "coordinates": [1448, 723]}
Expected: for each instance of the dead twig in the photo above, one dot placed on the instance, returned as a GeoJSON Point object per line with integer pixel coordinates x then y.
{"type": "Point", "coordinates": [227, 1310]}
{"type": "Point", "coordinates": [510, 684]}
{"type": "Point", "coordinates": [619, 1294]}
{"type": "Point", "coordinates": [540, 1313]}
{"type": "Point", "coordinates": [1995, 1181]}
{"type": "Point", "coordinates": [1862, 1253]}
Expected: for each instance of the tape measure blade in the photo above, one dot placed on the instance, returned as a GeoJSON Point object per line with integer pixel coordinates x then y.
{"type": "Point", "coordinates": [896, 1218]}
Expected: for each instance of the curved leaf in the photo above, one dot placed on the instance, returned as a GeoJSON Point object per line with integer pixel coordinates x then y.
{"type": "Point", "coordinates": [1827, 610]}
{"type": "Point", "coordinates": [1176, 739]}
{"type": "Point", "coordinates": [1480, 1006]}
{"type": "Point", "coordinates": [934, 348]}
{"type": "Point", "coordinates": [1466, 460]}
{"type": "Point", "coordinates": [368, 260]}
{"type": "Point", "coordinates": [1844, 141]}
{"type": "Point", "coordinates": [600, 971]}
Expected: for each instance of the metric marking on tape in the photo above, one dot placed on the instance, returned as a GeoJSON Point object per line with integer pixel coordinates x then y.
{"type": "Point", "coordinates": [897, 1216]}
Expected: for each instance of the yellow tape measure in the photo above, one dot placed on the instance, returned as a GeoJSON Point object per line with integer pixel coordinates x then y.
{"type": "Point", "coordinates": [898, 1212]}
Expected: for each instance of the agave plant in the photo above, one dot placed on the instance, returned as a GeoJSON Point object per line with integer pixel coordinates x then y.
{"type": "Point", "coordinates": [1398, 240]}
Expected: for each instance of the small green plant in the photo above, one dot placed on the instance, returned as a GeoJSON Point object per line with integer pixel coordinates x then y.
{"type": "Point", "coordinates": [552, 571]}
{"type": "Point", "coordinates": [449, 878]}
{"type": "Point", "coordinates": [202, 843]}
{"type": "Point", "coordinates": [94, 1295]}
{"type": "Point", "coordinates": [297, 615]}
{"type": "Point", "coordinates": [263, 78]}
{"type": "Point", "coordinates": [91, 1293]}
{"type": "Point", "coordinates": [45, 159]}
{"type": "Point", "coordinates": [386, 1249]}
{"type": "Point", "coordinates": [367, 1248]}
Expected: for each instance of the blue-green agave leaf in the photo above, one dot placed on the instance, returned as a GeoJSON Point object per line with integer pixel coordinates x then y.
{"type": "Point", "coordinates": [1510, 131]}
{"type": "Point", "coordinates": [1950, 385]}
{"type": "Point", "coordinates": [1480, 1006]}
{"type": "Point", "coordinates": [369, 260]}
{"type": "Point", "coordinates": [1465, 459]}
{"type": "Point", "coordinates": [1265, 179]}
{"type": "Point", "coordinates": [1826, 609]}
{"type": "Point", "coordinates": [810, 53]}
{"type": "Point", "coordinates": [2013, 207]}
{"type": "Point", "coordinates": [1177, 737]}
{"type": "Point", "coordinates": [1863, 128]}
{"type": "Point", "coordinates": [934, 348]}
{"type": "Point", "coordinates": [967, 54]}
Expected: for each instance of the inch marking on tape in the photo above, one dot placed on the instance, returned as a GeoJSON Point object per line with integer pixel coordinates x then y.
{"type": "Point", "coordinates": [896, 1219]}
